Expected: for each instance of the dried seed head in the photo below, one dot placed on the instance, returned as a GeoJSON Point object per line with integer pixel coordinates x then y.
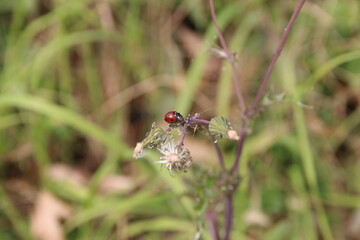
{"type": "Point", "coordinates": [154, 137]}
{"type": "Point", "coordinates": [175, 158]}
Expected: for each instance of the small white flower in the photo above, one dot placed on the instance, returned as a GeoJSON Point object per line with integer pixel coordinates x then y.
{"type": "Point", "coordinates": [175, 158]}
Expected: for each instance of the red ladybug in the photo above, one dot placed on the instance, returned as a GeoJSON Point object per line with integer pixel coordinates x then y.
{"type": "Point", "coordinates": [173, 117]}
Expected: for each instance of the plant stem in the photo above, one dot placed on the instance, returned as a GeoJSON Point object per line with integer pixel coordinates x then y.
{"type": "Point", "coordinates": [228, 214]}
{"type": "Point", "coordinates": [214, 229]}
{"type": "Point", "coordinates": [218, 151]}
{"type": "Point", "coordinates": [216, 146]}
{"type": "Point", "coordinates": [229, 57]}
{"type": "Point", "coordinates": [186, 125]}
{"type": "Point", "coordinates": [183, 134]}
{"type": "Point", "coordinates": [251, 111]}
{"type": "Point", "coordinates": [280, 47]}
{"type": "Point", "coordinates": [239, 149]}
{"type": "Point", "coordinates": [197, 120]}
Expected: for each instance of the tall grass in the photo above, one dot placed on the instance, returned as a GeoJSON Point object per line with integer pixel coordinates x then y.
{"type": "Point", "coordinates": [77, 90]}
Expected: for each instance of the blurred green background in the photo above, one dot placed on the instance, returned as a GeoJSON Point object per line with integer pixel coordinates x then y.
{"type": "Point", "coordinates": [82, 81]}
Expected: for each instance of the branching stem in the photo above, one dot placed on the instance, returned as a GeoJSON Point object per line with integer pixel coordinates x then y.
{"type": "Point", "coordinates": [280, 47]}
{"type": "Point", "coordinates": [245, 113]}
{"type": "Point", "coordinates": [229, 57]}
{"type": "Point", "coordinates": [216, 145]}
{"type": "Point", "coordinates": [228, 215]}
{"type": "Point", "coordinates": [212, 223]}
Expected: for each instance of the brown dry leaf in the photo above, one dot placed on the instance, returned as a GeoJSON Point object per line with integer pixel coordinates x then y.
{"type": "Point", "coordinates": [110, 67]}
{"type": "Point", "coordinates": [22, 193]}
{"type": "Point", "coordinates": [46, 219]}
{"type": "Point", "coordinates": [318, 126]}
{"type": "Point", "coordinates": [116, 183]}
{"type": "Point", "coordinates": [20, 153]}
{"type": "Point", "coordinates": [192, 43]}
{"type": "Point", "coordinates": [257, 218]}
{"type": "Point", "coordinates": [62, 172]}
{"type": "Point", "coordinates": [353, 225]}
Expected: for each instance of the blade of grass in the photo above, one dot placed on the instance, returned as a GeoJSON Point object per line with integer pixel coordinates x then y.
{"type": "Point", "coordinates": [19, 223]}
{"type": "Point", "coordinates": [21, 43]}
{"type": "Point", "coordinates": [19, 15]}
{"type": "Point", "coordinates": [195, 72]}
{"type": "Point", "coordinates": [68, 117]}
{"type": "Point", "coordinates": [306, 152]}
{"type": "Point", "coordinates": [39, 137]}
{"type": "Point", "coordinates": [9, 120]}
{"type": "Point", "coordinates": [161, 224]}
{"type": "Point", "coordinates": [91, 75]}
{"type": "Point", "coordinates": [308, 161]}
{"type": "Point", "coordinates": [279, 231]}
{"type": "Point", "coordinates": [103, 206]}
{"type": "Point", "coordinates": [345, 128]}
{"type": "Point", "coordinates": [301, 216]}
{"type": "Point", "coordinates": [178, 186]}
{"type": "Point", "coordinates": [223, 100]}
{"type": "Point", "coordinates": [327, 67]}
{"type": "Point", "coordinates": [46, 55]}
{"type": "Point", "coordinates": [288, 74]}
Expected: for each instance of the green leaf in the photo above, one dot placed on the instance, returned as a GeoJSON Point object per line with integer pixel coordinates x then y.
{"type": "Point", "coordinates": [219, 127]}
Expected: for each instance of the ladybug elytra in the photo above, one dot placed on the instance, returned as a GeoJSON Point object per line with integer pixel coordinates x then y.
{"type": "Point", "coordinates": [173, 117]}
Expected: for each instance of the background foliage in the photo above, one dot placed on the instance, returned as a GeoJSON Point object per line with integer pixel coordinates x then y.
{"type": "Point", "coordinates": [82, 81]}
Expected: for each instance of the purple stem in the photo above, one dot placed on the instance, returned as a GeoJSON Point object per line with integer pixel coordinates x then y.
{"type": "Point", "coordinates": [228, 215]}
{"type": "Point", "coordinates": [183, 134]}
{"type": "Point", "coordinates": [254, 106]}
{"type": "Point", "coordinates": [197, 120]}
{"type": "Point", "coordinates": [229, 57]}
{"type": "Point", "coordinates": [186, 125]}
{"type": "Point", "coordinates": [216, 146]}
{"type": "Point", "coordinates": [211, 220]}
{"type": "Point", "coordinates": [261, 90]}
{"type": "Point", "coordinates": [280, 47]}
{"type": "Point", "coordinates": [239, 149]}
{"type": "Point", "coordinates": [218, 151]}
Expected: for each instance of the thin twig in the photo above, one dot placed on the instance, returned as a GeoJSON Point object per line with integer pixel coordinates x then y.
{"type": "Point", "coordinates": [280, 47]}
{"type": "Point", "coordinates": [229, 57]}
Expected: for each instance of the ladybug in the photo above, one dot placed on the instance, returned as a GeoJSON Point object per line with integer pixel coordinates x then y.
{"type": "Point", "coordinates": [173, 117]}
